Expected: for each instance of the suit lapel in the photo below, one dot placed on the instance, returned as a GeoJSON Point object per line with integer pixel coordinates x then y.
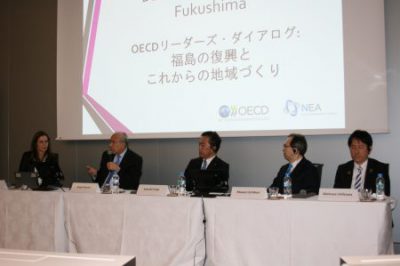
{"type": "Point", "coordinates": [349, 174]}
{"type": "Point", "coordinates": [213, 164]}
{"type": "Point", "coordinates": [369, 174]}
{"type": "Point", "coordinates": [123, 158]}
{"type": "Point", "coordinates": [197, 163]}
{"type": "Point", "coordinates": [298, 168]}
{"type": "Point", "coordinates": [370, 168]}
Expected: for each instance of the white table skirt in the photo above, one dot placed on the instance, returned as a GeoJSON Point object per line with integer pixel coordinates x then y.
{"type": "Point", "coordinates": [157, 230]}
{"type": "Point", "coordinates": [294, 232]}
{"type": "Point", "coordinates": [170, 230]}
{"type": "Point", "coordinates": [32, 220]}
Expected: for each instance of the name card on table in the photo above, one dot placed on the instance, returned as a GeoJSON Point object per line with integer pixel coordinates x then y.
{"type": "Point", "coordinates": [338, 194]}
{"type": "Point", "coordinates": [3, 185]}
{"type": "Point", "coordinates": [249, 193]}
{"type": "Point", "coordinates": [152, 190]}
{"type": "Point", "coordinates": [85, 187]}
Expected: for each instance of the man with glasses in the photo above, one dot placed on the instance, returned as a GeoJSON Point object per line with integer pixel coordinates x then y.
{"type": "Point", "coordinates": [303, 173]}
{"type": "Point", "coordinates": [361, 171]}
{"type": "Point", "coordinates": [121, 160]}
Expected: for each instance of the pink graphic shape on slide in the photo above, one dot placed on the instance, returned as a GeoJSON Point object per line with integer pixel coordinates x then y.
{"type": "Point", "coordinates": [90, 49]}
{"type": "Point", "coordinates": [109, 118]}
{"type": "Point", "coordinates": [114, 123]}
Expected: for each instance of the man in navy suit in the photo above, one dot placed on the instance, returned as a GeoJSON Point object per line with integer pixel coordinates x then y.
{"type": "Point", "coordinates": [303, 173]}
{"type": "Point", "coordinates": [209, 144]}
{"type": "Point", "coordinates": [360, 145]}
{"type": "Point", "coordinates": [121, 160]}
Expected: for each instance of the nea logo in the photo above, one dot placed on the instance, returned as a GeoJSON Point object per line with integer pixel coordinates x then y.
{"type": "Point", "coordinates": [294, 108]}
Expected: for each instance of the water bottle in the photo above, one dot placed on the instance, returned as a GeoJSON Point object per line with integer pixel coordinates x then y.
{"type": "Point", "coordinates": [181, 184]}
{"type": "Point", "coordinates": [287, 185]}
{"type": "Point", "coordinates": [115, 183]}
{"type": "Point", "coordinates": [380, 187]}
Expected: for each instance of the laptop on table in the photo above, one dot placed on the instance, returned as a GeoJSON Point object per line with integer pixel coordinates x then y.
{"type": "Point", "coordinates": [29, 180]}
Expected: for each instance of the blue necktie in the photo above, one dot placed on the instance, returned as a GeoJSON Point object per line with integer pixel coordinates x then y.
{"type": "Point", "coordinates": [118, 159]}
{"type": "Point", "coordinates": [288, 170]}
{"type": "Point", "coordinates": [111, 173]}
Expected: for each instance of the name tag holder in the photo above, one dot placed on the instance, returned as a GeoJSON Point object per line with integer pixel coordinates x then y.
{"type": "Point", "coordinates": [249, 193]}
{"type": "Point", "coordinates": [79, 187]}
{"type": "Point", "coordinates": [152, 190]}
{"type": "Point", "coordinates": [338, 194]}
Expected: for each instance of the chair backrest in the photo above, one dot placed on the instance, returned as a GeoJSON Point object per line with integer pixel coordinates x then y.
{"type": "Point", "coordinates": [319, 167]}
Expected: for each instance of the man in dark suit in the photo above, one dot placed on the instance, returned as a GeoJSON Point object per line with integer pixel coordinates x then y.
{"type": "Point", "coordinates": [303, 173]}
{"type": "Point", "coordinates": [209, 144]}
{"type": "Point", "coordinates": [121, 160]}
{"type": "Point", "coordinates": [361, 171]}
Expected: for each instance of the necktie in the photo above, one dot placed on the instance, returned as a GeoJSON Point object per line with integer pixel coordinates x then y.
{"type": "Point", "coordinates": [288, 170]}
{"type": "Point", "coordinates": [118, 159]}
{"type": "Point", "coordinates": [357, 183]}
{"type": "Point", "coordinates": [204, 165]}
{"type": "Point", "coordinates": [111, 173]}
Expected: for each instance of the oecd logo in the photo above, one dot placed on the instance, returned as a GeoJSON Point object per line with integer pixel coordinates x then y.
{"type": "Point", "coordinates": [224, 111]}
{"type": "Point", "coordinates": [243, 111]}
{"type": "Point", "coordinates": [294, 108]}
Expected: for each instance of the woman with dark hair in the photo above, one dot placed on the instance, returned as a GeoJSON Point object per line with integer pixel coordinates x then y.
{"type": "Point", "coordinates": [42, 161]}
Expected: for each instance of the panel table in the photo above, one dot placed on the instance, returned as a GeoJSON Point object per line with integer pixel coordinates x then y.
{"type": "Point", "coordinates": [294, 232]}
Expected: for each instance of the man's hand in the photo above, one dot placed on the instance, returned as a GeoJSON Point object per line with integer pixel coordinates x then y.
{"type": "Point", "coordinates": [112, 166]}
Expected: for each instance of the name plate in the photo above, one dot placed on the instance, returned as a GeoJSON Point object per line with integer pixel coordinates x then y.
{"type": "Point", "coordinates": [249, 193]}
{"type": "Point", "coordinates": [3, 185]}
{"type": "Point", "coordinates": [338, 194]}
{"type": "Point", "coordinates": [85, 187]}
{"type": "Point", "coordinates": [152, 190]}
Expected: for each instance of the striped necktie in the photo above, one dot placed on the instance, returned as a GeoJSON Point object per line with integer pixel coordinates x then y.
{"type": "Point", "coordinates": [357, 183]}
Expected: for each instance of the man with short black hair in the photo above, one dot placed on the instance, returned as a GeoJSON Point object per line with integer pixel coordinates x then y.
{"type": "Point", "coordinates": [361, 171]}
{"type": "Point", "coordinates": [209, 144]}
{"type": "Point", "coordinates": [303, 173]}
{"type": "Point", "coordinates": [121, 160]}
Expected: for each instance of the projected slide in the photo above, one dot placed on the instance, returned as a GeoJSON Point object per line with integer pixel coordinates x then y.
{"type": "Point", "coordinates": [155, 66]}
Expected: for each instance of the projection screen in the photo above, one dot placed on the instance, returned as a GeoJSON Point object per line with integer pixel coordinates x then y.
{"type": "Point", "coordinates": [172, 69]}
